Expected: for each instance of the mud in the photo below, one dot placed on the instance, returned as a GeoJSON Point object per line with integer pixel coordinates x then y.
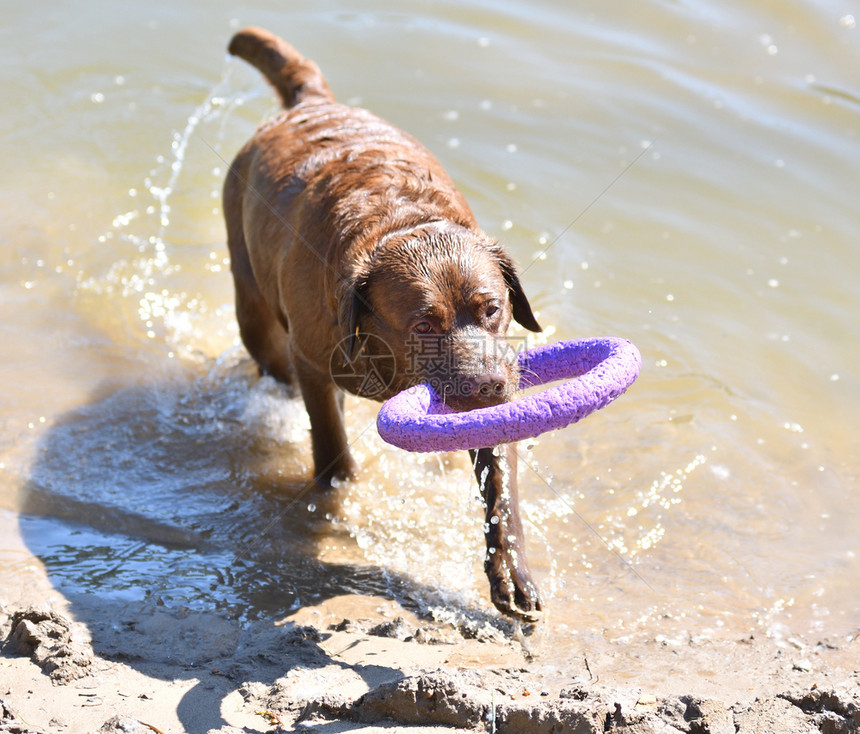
{"type": "Point", "coordinates": [365, 674]}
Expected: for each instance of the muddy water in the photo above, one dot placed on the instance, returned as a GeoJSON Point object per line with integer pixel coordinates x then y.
{"type": "Point", "coordinates": [681, 175]}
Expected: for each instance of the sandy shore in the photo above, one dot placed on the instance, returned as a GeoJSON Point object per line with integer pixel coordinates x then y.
{"type": "Point", "coordinates": [366, 664]}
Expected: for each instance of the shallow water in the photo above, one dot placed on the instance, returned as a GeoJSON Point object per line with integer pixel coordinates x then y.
{"type": "Point", "coordinates": [684, 175]}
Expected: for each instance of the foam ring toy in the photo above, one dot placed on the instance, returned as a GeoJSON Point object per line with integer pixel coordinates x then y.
{"type": "Point", "coordinates": [597, 372]}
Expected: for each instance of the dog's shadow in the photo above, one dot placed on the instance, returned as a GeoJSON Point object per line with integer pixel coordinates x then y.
{"type": "Point", "coordinates": [177, 518]}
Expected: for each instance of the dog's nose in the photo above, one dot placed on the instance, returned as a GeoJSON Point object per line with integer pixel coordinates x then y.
{"type": "Point", "coordinates": [491, 387]}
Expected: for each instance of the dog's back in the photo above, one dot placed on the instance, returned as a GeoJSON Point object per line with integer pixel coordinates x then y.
{"type": "Point", "coordinates": [341, 176]}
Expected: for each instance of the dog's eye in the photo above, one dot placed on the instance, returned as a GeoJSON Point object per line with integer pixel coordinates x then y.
{"type": "Point", "coordinates": [423, 327]}
{"type": "Point", "coordinates": [491, 311]}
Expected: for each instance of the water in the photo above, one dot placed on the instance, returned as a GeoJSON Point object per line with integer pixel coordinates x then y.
{"type": "Point", "coordinates": [683, 175]}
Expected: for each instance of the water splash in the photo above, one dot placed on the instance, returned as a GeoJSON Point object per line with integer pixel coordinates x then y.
{"type": "Point", "coordinates": [149, 280]}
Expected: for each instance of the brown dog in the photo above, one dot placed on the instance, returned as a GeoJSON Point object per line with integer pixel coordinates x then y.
{"type": "Point", "coordinates": [359, 266]}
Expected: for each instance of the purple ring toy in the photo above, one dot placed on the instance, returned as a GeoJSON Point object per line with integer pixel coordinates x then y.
{"type": "Point", "coordinates": [417, 419]}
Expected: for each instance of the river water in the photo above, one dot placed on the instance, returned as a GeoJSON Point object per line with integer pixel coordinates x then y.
{"type": "Point", "coordinates": [683, 174]}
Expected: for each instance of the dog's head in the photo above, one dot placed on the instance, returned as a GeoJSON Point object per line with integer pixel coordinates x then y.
{"type": "Point", "coordinates": [441, 299]}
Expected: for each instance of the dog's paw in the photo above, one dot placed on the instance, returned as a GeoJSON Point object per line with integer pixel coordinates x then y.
{"type": "Point", "coordinates": [342, 469]}
{"type": "Point", "coordinates": [511, 588]}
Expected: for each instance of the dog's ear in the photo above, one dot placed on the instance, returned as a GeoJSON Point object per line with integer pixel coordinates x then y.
{"type": "Point", "coordinates": [520, 307]}
{"type": "Point", "coordinates": [352, 304]}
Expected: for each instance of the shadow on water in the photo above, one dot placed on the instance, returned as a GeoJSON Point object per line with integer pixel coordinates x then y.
{"type": "Point", "coordinates": [177, 520]}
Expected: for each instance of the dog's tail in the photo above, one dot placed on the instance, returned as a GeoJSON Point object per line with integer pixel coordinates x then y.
{"type": "Point", "coordinates": [295, 78]}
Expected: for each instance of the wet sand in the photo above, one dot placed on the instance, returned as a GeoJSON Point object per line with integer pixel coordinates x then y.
{"type": "Point", "coordinates": [365, 664]}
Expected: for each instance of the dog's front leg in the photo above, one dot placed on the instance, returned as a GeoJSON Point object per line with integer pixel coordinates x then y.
{"type": "Point", "coordinates": [511, 587]}
{"type": "Point", "coordinates": [324, 403]}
